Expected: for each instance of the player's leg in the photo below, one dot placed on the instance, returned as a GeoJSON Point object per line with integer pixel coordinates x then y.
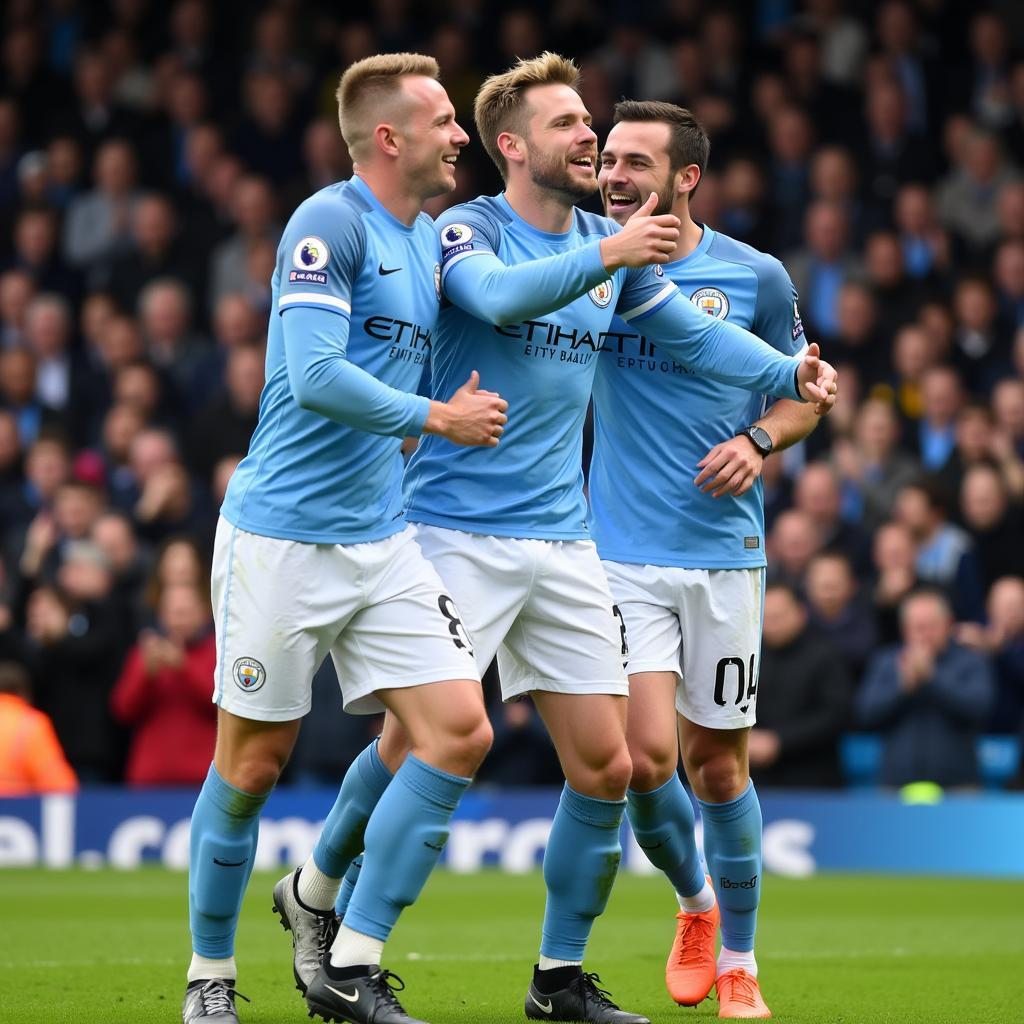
{"type": "Point", "coordinates": [262, 694]}
{"type": "Point", "coordinates": [566, 650]}
{"type": "Point", "coordinates": [717, 708]}
{"type": "Point", "coordinates": [400, 651]}
{"type": "Point", "coordinates": [659, 810]}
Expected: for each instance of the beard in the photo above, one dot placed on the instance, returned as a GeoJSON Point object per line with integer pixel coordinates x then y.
{"type": "Point", "coordinates": [552, 173]}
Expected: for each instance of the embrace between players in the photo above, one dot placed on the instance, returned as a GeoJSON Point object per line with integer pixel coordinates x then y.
{"type": "Point", "coordinates": [484, 547]}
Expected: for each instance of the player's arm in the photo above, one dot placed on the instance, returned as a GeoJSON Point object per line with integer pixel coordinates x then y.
{"type": "Point", "coordinates": [731, 467]}
{"type": "Point", "coordinates": [477, 280]}
{"type": "Point", "coordinates": [720, 350]}
{"type": "Point", "coordinates": [323, 380]}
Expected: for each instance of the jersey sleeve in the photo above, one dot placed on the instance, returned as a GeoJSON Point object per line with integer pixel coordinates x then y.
{"type": "Point", "coordinates": [716, 348]}
{"type": "Point", "coordinates": [324, 381]}
{"type": "Point", "coordinates": [497, 293]}
{"type": "Point", "coordinates": [644, 291]}
{"type": "Point", "coordinates": [321, 252]}
{"type": "Point", "coordinates": [776, 313]}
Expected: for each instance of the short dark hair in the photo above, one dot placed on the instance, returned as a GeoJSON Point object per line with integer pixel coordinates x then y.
{"type": "Point", "coordinates": [688, 142]}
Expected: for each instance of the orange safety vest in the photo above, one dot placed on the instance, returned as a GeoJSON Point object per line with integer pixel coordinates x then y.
{"type": "Point", "coordinates": [31, 758]}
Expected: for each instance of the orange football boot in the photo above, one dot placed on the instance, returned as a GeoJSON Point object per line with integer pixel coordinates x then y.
{"type": "Point", "coordinates": [690, 971]}
{"type": "Point", "coordinates": [739, 996]}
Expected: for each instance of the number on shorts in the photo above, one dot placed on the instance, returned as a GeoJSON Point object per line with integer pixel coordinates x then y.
{"type": "Point", "coordinates": [458, 631]}
{"type": "Point", "coordinates": [622, 632]}
{"type": "Point", "coordinates": [746, 682]}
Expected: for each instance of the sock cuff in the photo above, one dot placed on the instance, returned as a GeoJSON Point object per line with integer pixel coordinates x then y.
{"type": "Point", "coordinates": [592, 810]}
{"type": "Point", "coordinates": [733, 809]}
{"type": "Point", "coordinates": [234, 802]}
{"type": "Point", "coordinates": [636, 796]}
{"type": "Point", "coordinates": [432, 784]}
{"type": "Point", "coordinates": [373, 772]}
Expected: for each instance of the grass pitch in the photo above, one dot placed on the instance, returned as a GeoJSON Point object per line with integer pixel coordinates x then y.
{"type": "Point", "coordinates": [108, 947]}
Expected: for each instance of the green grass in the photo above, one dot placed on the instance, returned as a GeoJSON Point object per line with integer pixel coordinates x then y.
{"type": "Point", "coordinates": [110, 947]}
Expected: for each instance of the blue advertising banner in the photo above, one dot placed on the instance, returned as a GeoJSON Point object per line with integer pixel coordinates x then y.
{"type": "Point", "coordinates": [803, 832]}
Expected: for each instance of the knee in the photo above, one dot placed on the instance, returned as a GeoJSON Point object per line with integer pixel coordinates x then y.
{"type": "Point", "coordinates": [608, 778]}
{"type": "Point", "coordinates": [651, 769]}
{"type": "Point", "coordinates": [721, 777]}
{"type": "Point", "coordinates": [255, 772]}
{"type": "Point", "coordinates": [461, 748]}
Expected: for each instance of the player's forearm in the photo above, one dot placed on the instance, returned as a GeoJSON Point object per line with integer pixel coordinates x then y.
{"type": "Point", "coordinates": [324, 381]}
{"type": "Point", "coordinates": [501, 294]}
{"type": "Point", "coordinates": [720, 350]}
{"type": "Point", "coordinates": [788, 422]}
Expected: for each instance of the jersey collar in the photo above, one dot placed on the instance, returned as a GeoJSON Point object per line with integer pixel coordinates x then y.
{"type": "Point", "coordinates": [367, 193]}
{"type": "Point", "coordinates": [547, 236]}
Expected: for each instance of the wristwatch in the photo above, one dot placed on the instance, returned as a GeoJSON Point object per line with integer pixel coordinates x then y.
{"type": "Point", "coordinates": [759, 438]}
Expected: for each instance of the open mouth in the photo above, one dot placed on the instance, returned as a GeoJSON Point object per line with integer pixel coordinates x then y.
{"type": "Point", "coordinates": [450, 160]}
{"type": "Point", "coordinates": [621, 200]}
{"type": "Point", "coordinates": [584, 160]}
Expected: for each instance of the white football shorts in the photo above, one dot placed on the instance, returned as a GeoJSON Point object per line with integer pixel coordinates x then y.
{"type": "Point", "coordinates": [542, 606]}
{"type": "Point", "coordinates": [702, 624]}
{"type": "Point", "coordinates": [280, 606]}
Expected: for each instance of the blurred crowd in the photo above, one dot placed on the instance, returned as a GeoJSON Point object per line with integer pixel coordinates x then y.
{"type": "Point", "coordinates": [150, 154]}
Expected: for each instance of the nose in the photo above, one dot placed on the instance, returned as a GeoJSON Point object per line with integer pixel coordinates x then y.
{"type": "Point", "coordinates": [459, 137]}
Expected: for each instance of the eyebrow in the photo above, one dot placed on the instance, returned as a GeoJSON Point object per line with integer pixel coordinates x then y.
{"type": "Point", "coordinates": [628, 156]}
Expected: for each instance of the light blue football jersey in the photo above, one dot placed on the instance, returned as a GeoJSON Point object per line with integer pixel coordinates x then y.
{"type": "Point", "coordinates": [309, 477]}
{"type": "Point", "coordinates": [655, 419]}
{"type": "Point", "coordinates": [544, 364]}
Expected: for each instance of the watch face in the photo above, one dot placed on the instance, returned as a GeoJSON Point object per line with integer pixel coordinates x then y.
{"type": "Point", "coordinates": [762, 439]}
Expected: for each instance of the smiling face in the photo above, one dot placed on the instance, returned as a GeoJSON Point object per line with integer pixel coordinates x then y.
{"type": "Point", "coordinates": [635, 163]}
{"type": "Point", "coordinates": [560, 146]}
{"type": "Point", "coordinates": [431, 136]}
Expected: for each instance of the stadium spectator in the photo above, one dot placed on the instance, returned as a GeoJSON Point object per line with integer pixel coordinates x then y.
{"type": "Point", "coordinates": [925, 245]}
{"type": "Point", "coordinates": [819, 496]}
{"type": "Point", "coordinates": [1002, 639]}
{"type": "Point", "coordinates": [980, 349]}
{"type": "Point", "coordinates": [1008, 407]}
{"type": "Point", "coordinates": [31, 758]}
{"type": "Point", "coordinates": [837, 614]}
{"type": "Point", "coordinates": [794, 540]}
{"type": "Point", "coordinates": [995, 524]}
{"type": "Point", "coordinates": [163, 693]}
{"type": "Point", "coordinates": [895, 576]}
{"type": "Point", "coordinates": [945, 554]}
{"type": "Point", "coordinates": [803, 700]}
{"type": "Point", "coordinates": [254, 215]}
{"type": "Point", "coordinates": [871, 466]}
{"type": "Point", "coordinates": [928, 697]}
{"type": "Point", "coordinates": [935, 435]}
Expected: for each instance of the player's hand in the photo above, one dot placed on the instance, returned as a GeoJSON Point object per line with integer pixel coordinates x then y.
{"type": "Point", "coordinates": [818, 380]}
{"type": "Point", "coordinates": [646, 238]}
{"type": "Point", "coordinates": [729, 468]}
{"type": "Point", "coordinates": [763, 747]}
{"type": "Point", "coordinates": [470, 417]}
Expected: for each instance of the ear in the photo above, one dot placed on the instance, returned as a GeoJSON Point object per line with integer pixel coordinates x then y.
{"type": "Point", "coordinates": [511, 147]}
{"type": "Point", "coordinates": [385, 138]}
{"type": "Point", "coordinates": [687, 179]}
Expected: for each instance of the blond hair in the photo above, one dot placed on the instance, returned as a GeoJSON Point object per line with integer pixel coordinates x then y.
{"type": "Point", "coordinates": [368, 84]}
{"type": "Point", "coordinates": [500, 105]}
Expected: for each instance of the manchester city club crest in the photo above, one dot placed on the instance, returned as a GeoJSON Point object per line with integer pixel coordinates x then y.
{"type": "Point", "coordinates": [601, 294]}
{"type": "Point", "coordinates": [249, 674]}
{"type": "Point", "coordinates": [712, 301]}
{"type": "Point", "coordinates": [311, 253]}
{"type": "Point", "coordinates": [456, 234]}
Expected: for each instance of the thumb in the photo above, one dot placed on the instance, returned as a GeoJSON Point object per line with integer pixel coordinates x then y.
{"type": "Point", "coordinates": [472, 384]}
{"type": "Point", "coordinates": [648, 208]}
{"type": "Point", "coordinates": [813, 350]}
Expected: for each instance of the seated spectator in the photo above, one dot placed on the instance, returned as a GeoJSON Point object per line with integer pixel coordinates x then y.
{"type": "Point", "coordinates": [995, 524]}
{"type": "Point", "coordinates": [871, 465]}
{"type": "Point", "coordinates": [928, 698]}
{"type": "Point", "coordinates": [980, 351]}
{"type": "Point", "coordinates": [164, 694]}
{"type": "Point", "coordinates": [818, 494]}
{"type": "Point", "coordinates": [803, 700]}
{"type": "Point", "coordinates": [895, 562]}
{"type": "Point", "coordinates": [179, 561]}
{"type": "Point", "coordinates": [1002, 639]}
{"type": "Point", "coordinates": [795, 539]}
{"type": "Point", "coordinates": [1008, 407]}
{"type": "Point", "coordinates": [31, 758]}
{"type": "Point", "coordinates": [837, 613]}
{"type": "Point", "coordinates": [945, 553]}
{"type": "Point", "coordinates": [935, 436]}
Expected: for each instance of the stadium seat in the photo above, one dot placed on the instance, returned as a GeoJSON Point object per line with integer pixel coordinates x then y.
{"type": "Point", "coordinates": [860, 757]}
{"type": "Point", "coordinates": [998, 760]}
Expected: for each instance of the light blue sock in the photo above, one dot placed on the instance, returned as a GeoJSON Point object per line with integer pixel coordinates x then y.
{"type": "Point", "coordinates": [342, 835]}
{"type": "Point", "coordinates": [404, 839]}
{"type": "Point", "coordinates": [222, 847]}
{"type": "Point", "coordinates": [348, 885]}
{"type": "Point", "coordinates": [580, 864]}
{"type": "Point", "coordinates": [732, 848]}
{"type": "Point", "coordinates": [662, 822]}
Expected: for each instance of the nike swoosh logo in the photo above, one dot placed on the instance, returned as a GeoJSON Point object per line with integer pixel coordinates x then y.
{"type": "Point", "coordinates": [543, 1007]}
{"type": "Point", "coordinates": [384, 273]}
{"type": "Point", "coordinates": [354, 998]}
{"type": "Point", "coordinates": [432, 846]}
{"type": "Point", "coordinates": [653, 847]}
{"type": "Point", "coordinates": [229, 863]}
